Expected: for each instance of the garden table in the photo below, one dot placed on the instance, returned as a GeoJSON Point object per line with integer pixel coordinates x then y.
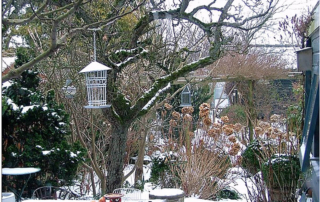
{"type": "Point", "coordinates": [114, 197]}
{"type": "Point", "coordinates": [20, 171]}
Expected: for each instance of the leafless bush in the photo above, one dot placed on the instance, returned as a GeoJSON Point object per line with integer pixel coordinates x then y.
{"type": "Point", "coordinates": [200, 173]}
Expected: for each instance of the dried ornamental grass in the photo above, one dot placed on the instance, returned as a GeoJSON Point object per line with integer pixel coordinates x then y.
{"type": "Point", "coordinates": [216, 125]}
{"type": "Point", "coordinates": [176, 115]}
{"type": "Point", "coordinates": [187, 110]}
{"type": "Point", "coordinates": [227, 130]}
{"type": "Point", "coordinates": [207, 121]}
{"type": "Point", "coordinates": [163, 113]}
{"type": "Point", "coordinates": [269, 131]}
{"type": "Point", "coordinates": [191, 134]}
{"type": "Point", "coordinates": [196, 174]}
{"type": "Point", "coordinates": [235, 148]}
{"type": "Point", "coordinates": [187, 118]}
{"type": "Point", "coordinates": [203, 114]}
{"type": "Point", "coordinates": [277, 131]}
{"type": "Point", "coordinates": [264, 125]}
{"type": "Point", "coordinates": [225, 119]}
{"type": "Point", "coordinates": [237, 127]}
{"type": "Point", "coordinates": [214, 133]}
{"type": "Point", "coordinates": [232, 139]}
{"type": "Point", "coordinates": [173, 123]}
{"type": "Point", "coordinates": [233, 152]}
{"type": "Point", "coordinates": [168, 106]}
{"type": "Point", "coordinates": [230, 126]}
{"type": "Point", "coordinates": [204, 110]}
{"type": "Point", "coordinates": [258, 131]}
{"type": "Point", "coordinates": [273, 136]}
{"type": "Point", "coordinates": [204, 107]}
{"type": "Point", "coordinates": [151, 138]}
{"type": "Point", "coordinates": [275, 118]}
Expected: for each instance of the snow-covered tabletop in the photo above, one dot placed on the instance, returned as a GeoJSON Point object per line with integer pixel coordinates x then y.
{"type": "Point", "coordinates": [19, 171]}
{"type": "Point", "coordinates": [166, 193]}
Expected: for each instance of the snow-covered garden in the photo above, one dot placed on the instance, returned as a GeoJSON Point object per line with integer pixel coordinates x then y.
{"type": "Point", "coordinates": [198, 97]}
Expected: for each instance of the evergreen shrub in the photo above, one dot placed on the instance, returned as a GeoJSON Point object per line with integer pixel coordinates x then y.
{"type": "Point", "coordinates": [250, 157]}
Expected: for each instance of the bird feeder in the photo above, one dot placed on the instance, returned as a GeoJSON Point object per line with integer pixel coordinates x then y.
{"type": "Point", "coordinates": [96, 82]}
{"type": "Point", "coordinates": [186, 97]}
{"type": "Point", "coordinates": [69, 90]}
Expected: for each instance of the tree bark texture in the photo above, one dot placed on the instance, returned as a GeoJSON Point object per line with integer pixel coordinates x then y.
{"type": "Point", "coordinates": [251, 109]}
{"type": "Point", "coordinates": [116, 155]}
{"type": "Point", "coordinates": [139, 164]}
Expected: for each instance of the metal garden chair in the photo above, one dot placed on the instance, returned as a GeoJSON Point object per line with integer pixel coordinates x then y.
{"type": "Point", "coordinates": [55, 193]}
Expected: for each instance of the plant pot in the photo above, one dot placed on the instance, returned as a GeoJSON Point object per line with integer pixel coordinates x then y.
{"type": "Point", "coordinates": [281, 194]}
{"type": "Point", "coordinates": [281, 174]}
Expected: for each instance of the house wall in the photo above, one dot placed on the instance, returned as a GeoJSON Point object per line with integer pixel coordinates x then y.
{"type": "Point", "coordinates": [314, 35]}
{"type": "Point", "coordinates": [309, 149]}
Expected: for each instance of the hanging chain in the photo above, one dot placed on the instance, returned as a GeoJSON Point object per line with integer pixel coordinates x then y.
{"type": "Point", "coordinates": [94, 43]}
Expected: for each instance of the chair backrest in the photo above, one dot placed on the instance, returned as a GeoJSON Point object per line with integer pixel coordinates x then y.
{"type": "Point", "coordinates": [50, 192]}
{"type": "Point", "coordinates": [129, 193]}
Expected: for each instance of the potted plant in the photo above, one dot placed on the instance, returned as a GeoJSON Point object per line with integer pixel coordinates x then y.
{"type": "Point", "coordinates": [281, 173]}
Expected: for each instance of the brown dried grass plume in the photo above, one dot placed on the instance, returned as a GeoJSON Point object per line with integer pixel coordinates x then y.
{"type": "Point", "coordinates": [216, 125]}
{"type": "Point", "coordinates": [237, 127]}
{"type": "Point", "coordinates": [187, 110]}
{"type": "Point", "coordinates": [176, 115]}
{"type": "Point", "coordinates": [264, 125]}
{"type": "Point", "coordinates": [173, 123]}
{"type": "Point", "coordinates": [275, 118]}
{"type": "Point", "coordinates": [204, 110]}
{"type": "Point", "coordinates": [234, 149]}
{"type": "Point", "coordinates": [232, 139]}
{"type": "Point", "coordinates": [204, 106]}
{"type": "Point", "coordinates": [187, 118]}
{"type": "Point", "coordinates": [258, 130]}
{"type": "Point", "coordinates": [204, 114]}
{"type": "Point", "coordinates": [225, 119]}
{"type": "Point", "coordinates": [207, 121]}
{"type": "Point", "coordinates": [168, 106]}
{"type": "Point", "coordinates": [227, 130]}
{"type": "Point", "coordinates": [214, 133]}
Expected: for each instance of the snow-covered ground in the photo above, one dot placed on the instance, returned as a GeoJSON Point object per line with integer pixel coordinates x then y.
{"type": "Point", "coordinates": [236, 174]}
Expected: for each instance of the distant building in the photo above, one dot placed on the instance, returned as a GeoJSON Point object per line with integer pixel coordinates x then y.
{"type": "Point", "coordinates": [220, 98]}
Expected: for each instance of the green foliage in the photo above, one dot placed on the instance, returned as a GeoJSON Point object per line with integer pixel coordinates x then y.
{"type": "Point", "coordinates": [235, 113]}
{"type": "Point", "coordinates": [23, 55]}
{"type": "Point", "coordinates": [250, 157]}
{"type": "Point", "coordinates": [140, 184]}
{"type": "Point", "coordinates": [34, 134]}
{"type": "Point", "coordinates": [160, 173]}
{"type": "Point", "coordinates": [281, 171]}
{"type": "Point", "coordinates": [200, 95]}
{"type": "Point", "coordinates": [228, 193]}
{"type": "Point", "coordinates": [295, 111]}
{"type": "Point", "coordinates": [158, 168]}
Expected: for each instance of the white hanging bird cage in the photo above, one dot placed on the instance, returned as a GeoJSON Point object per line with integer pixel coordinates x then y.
{"type": "Point", "coordinates": [96, 82]}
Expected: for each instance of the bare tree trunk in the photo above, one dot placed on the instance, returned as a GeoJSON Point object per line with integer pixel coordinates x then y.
{"type": "Point", "coordinates": [116, 156]}
{"type": "Point", "coordinates": [93, 183]}
{"type": "Point", "coordinates": [251, 117]}
{"type": "Point", "coordinates": [139, 164]}
{"type": "Point", "coordinates": [103, 185]}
